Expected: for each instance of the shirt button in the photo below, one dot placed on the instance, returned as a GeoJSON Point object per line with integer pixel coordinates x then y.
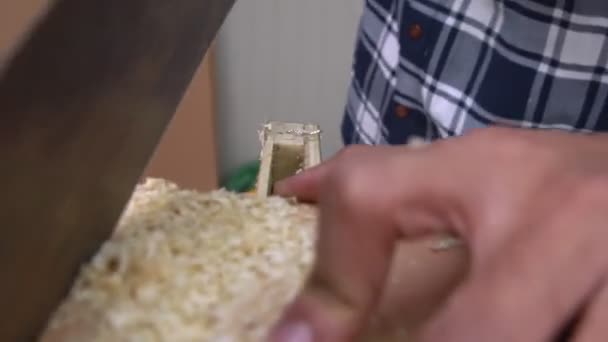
{"type": "Point", "coordinates": [415, 31]}
{"type": "Point", "coordinates": [401, 111]}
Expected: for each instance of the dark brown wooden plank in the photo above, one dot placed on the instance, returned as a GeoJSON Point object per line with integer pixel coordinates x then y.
{"type": "Point", "coordinates": [83, 104]}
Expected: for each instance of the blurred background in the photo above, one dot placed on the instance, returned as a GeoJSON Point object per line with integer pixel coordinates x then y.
{"type": "Point", "coordinates": [283, 60]}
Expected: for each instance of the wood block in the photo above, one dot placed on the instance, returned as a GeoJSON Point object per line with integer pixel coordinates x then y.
{"type": "Point", "coordinates": [287, 148]}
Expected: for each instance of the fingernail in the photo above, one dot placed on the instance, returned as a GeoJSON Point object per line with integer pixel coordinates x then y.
{"type": "Point", "coordinates": [292, 332]}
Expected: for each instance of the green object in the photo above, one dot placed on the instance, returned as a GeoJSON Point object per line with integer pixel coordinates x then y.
{"type": "Point", "coordinates": [244, 178]}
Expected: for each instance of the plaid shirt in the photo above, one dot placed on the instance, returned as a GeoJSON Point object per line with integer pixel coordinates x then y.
{"type": "Point", "coordinates": [437, 68]}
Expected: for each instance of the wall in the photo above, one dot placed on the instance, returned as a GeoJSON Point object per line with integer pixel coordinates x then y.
{"type": "Point", "coordinates": [191, 130]}
{"type": "Point", "coordinates": [283, 60]}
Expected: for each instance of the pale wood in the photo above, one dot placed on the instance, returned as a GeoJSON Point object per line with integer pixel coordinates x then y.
{"type": "Point", "coordinates": [287, 148]}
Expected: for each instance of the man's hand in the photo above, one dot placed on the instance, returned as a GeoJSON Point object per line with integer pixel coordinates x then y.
{"type": "Point", "coordinates": [532, 207]}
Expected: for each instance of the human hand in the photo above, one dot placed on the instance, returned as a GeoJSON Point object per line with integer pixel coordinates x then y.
{"type": "Point", "coordinates": [530, 205]}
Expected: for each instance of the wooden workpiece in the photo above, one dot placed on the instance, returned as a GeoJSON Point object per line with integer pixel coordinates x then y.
{"type": "Point", "coordinates": [287, 148]}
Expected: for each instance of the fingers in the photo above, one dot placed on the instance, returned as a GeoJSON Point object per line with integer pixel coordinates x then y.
{"type": "Point", "coordinates": [354, 251]}
{"type": "Point", "coordinates": [530, 270]}
{"type": "Point", "coordinates": [420, 280]}
{"type": "Point", "coordinates": [304, 185]}
{"type": "Point", "coordinates": [360, 223]}
{"type": "Point", "coordinates": [531, 286]}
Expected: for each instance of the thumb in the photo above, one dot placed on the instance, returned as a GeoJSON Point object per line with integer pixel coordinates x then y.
{"type": "Point", "coordinates": [305, 185]}
{"type": "Point", "coordinates": [345, 284]}
{"type": "Point", "coordinates": [360, 224]}
{"type": "Point", "coordinates": [354, 251]}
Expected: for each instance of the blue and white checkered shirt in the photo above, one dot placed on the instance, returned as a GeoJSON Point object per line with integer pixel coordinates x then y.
{"type": "Point", "coordinates": [437, 68]}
